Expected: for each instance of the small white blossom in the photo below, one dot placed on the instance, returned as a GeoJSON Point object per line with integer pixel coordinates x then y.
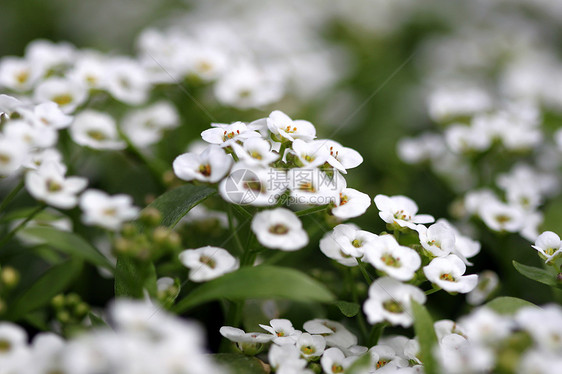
{"type": "Point", "coordinates": [49, 184]}
{"type": "Point", "coordinates": [400, 211]}
{"type": "Point", "coordinates": [283, 331]}
{"type": "Point", "coordinates": [283, 126]}
{"type": "Point", "coordinates": [279, 229]}
{"type": "Point", "coordinates": [109, 212]}
{"type": "Point", "coordinates": [352, 204]}
{"type": "Point", "coordinates": [448, 273]}
{"type": "Point", "coordinates": [68, 94]}
{"type": "Point", "coordinates": [389, 300]}
{"type": "Point", "coordinates": [396, 261]}
{"type": "Point", "coordinates": [208, 263]}
{"type": "Point", "coordinates": [211, 165]}
{"type": "Point", "coordinates": [96, 130]}
{"type": "Point", "coordinates": [548, 245]}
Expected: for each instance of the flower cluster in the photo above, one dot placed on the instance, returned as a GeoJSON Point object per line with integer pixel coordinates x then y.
{"type": "Point", "coordinates": [143, 338]}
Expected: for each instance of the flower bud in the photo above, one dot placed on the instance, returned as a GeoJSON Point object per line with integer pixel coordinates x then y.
{"type": "Point", "coordinates": [151, 217]}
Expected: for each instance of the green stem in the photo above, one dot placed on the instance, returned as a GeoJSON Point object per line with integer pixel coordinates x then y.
{"type": "Point", "coordinates": [350, 278]}
{"type": "Point", "coordinates": [154, 169]}
{"type": "Point", "coordinates": [396, 234]}
{"type": "Point", "coordinates": [21, 225]}
{"type": "Point", "coordinates": [234, 231]}
{"type": "Point", "coordinates": [433, 290]}
{"type": "Point", "coordinates": [366, 274]}
{"type": "Point", "coordinates": [11, 195]}
{"type": "Point", "coordinates": [312, 210]}
{"type": "Point", "coordinates": [376, 333]}
{"type": "Point", "coordinates": [242, 211]}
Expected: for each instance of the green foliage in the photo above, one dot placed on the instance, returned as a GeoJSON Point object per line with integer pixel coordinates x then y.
{"type": "Point", "coordinates": [537, 274]}
{"type": "Point", "coordinates": [423, 326]}
{"type": "Point", "coordinates": [71, 244]}
{"type": "Point", "coordinates": [133, 276]}
{"type": "Point", "coordinates": [508, 305]}
{"type": "Point", "coordinates": [52, 282]}
{"type": "Point", "coordinates": [240, 364]}
{"type": "Point", "coordinates": [348, 309]}
{"type": "Point", "coordinates": [267, 282]}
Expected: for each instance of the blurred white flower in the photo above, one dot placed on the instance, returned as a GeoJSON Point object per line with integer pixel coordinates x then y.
{"type": "Point", "coordinates": [96, 130]}
{"type": "Point", "coordinates": [208, 263]}
{"type": "Point", "coordinates": [109, 212]}
{"type": "Point", "coordinates": [211, 165]}
{"type": "Point", "coordinates": [448, 273]}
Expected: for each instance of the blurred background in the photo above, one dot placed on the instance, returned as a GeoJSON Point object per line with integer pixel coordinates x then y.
{"type": "Point", "coordinates": [367, 73]}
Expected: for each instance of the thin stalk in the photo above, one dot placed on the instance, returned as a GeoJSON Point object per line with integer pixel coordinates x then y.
{"type": "Point", "coordinates": [21, 225]}
{"type": "Point", "coordinates": [376, 333]}
{"type": "Point", "coordinates": [152, 167]}
{"type": "Point", "coordinates": [312, 210]}
{"type": "Point", "coordinates": [234, 231]}
{"type": "Point", "coordinates": [11, 195]}
{"type": "Point", "coordinates": [350, 279]}
{"type": "Point", "coordinates": [364, 271]}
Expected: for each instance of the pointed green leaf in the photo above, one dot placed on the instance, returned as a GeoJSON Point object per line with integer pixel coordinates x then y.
{"type": "Point", "coordinates": [347, 309]}
{"type": "Point", "coordinates": [240, 364]}
{"type": "Point", "coordinates": [52, 282]}
{"type": "Point", "coordinates": [175, 204]}
{"type": "Point", "coordinates": [423, 326]}
{"type": "Point", "coordinates": [70, 243]}
{"type": "Point", "coordinates": [133, 276]}
{"type": "Point", "coordinates": [508, 305]}
{"type": "Point", "coordinates": [260, 282]}
{"type": "Point", "coordinates": [536, 274]}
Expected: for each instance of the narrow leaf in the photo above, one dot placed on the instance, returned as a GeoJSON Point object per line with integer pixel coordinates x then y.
{"type": "Point", "coordinates": [240, 364]}
{"type": "Point", "coordinates": [133, 276]}
{"type": "Point", "coordinates": [508, 305]}
{"type": "Point", "coordinates": [176, 203]}
{"type": "Point", "coordinates": [423, 326]}
{"type": "Point", "coordinates": [260, 282]}
{"type": "Point", "coordinates": [536, 274]}
{"type": "Point", "coordinates": [52, 282]}
{"type": "Point", "coordinates": [70, 243]}
{"type": "Point", "coordinates": [347, 309]}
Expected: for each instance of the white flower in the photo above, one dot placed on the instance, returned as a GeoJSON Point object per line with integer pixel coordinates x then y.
{"type": "Point", "coordinates": [400, 211]}
{"type": "Point", "coordinates": [211, 165]}
{"type": "Point", "coordinates": [18, 74]}
{"type": "Point", "coordinates": [249, 343]}
{"type": "Point", "coordinates": [389, 300]}
{"type": "Point", "coordinates": [395, 260]}
{"type": "Point", "coordinates": [330, 247]}
{"type": "Point", "coordinates": [352, 204]}
{"type": "Point", "coordinates": [283, 331]}
{"type": "Point", "coordinates": [145, 126]}
{"type": "Point", "coordinates": [464, 247]}
{"type": "Point", "coordinates": [252, 185]}
{"type": "Point", "coordinates": [353, 241]}
{"type": "Point", "coordinates": [206, 62]}
{"type": "Point", "coordinates": [446, 327]}
{"type": "Point", "coordinates": [66, 93]}
{"type": "Point", "coordinates": [548, 245]}
{"type": "Point", "coordinates": [464, 139]}
{"type": "Point", "coordinates": [256, 152]}
{"type": "Point", "coordinates": [279, 229]}
{"type": "Point", "coordinates": [208, 263]}
{"type": "Point", "coordinates": [384, 357]}
{"type": "Point", "coordinates": [488, 281]}
{"type": "Point", "coordinates": [447, 103]}
{"type": "Point", "coordinates": [502, 217]}
{"type": "Point", "coordinates": [543, 324]}
{"type": "Point", "coordinates": [248, 87]}
{"type": "Point", "coordinates": [48, 55]}
{"type": "Point", "coordinates": [47, 114]}
{"type": "Point", "coordinates": [90, 70]}
{"type": "Point", "coordinates": [49, 184]}
{"type": "Point", "coordinates": [333, 361]}
{"type": "Point", "coordinates": [109, 212]}
{"type": "Point", "coordinates": [335, 334]}
{"type": "Point", "coordinates": [12, 339]}
{"type": "Point", "coordinates": [313, 186]}
{"type": "Point", "coordinates": [438, 239]}
{"type": "Point", "coordinates": [30, 136]}
{"type": "Point", "coordinates": [286, 356]}
{"type": "Point", "coordinates": [283, 126]}
{"type": "Point", "coordinates": [9, 105]}
{"type": "Point", "coordinates": [311, 154]}
{"type": "Point", "coordinates": [447, 273]}
{"type": "Point", "coordinates": [127, 81]}
{"type": "Point", "coordinates": [486, 326]}
{"type": "Point", "coordinates": [96, 130]}
{"type": "Point", "coordinates": [341, 158]}
{"type": "Point", "coordinates": [311, 346]}
{"type": "Point", "coordinates": [12, 156]}
{"type": "Point", "coordinates": [36, 158]}
{"type": "Point", "coordinates": [225, 135]}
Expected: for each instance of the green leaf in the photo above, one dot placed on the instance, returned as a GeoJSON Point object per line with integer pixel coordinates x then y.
{"type": "Point", "coordinates": [260, 282]}
{"type": "Point", "coordinates": [176, 203]}
{"type": "Point", "coordinates": [348, 309]}
{"type": "Point", "coordinates": [508, 305]}
{"type": "Point", "coordinates": [361, 365]}
{"type": "Point", "coordinates": [51, 283]}
{"type": "Point", "coordinates": [240, 364]}
{"type": "Point", "coordinates": [536, 274]}
{"type": "Point", "coordinates": [133, 276]}
{"type": "Point", "coordinates": [96, 321]}
{"type": "Point", "coordinates": [70, 243]}
{"type": "Point", "coordinates": [423, 326]}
